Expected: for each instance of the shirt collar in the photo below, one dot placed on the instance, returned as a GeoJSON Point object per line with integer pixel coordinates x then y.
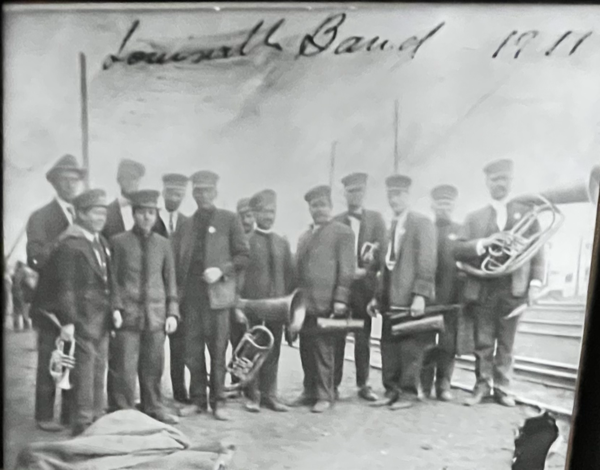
{"type": "Point", "coordinates": [88, 235]}
{"type": "Point", "coordinates": [400, 218]}
{"type": "Point", "coordinates": [64, 204]}
{"type": "Point", "coordinates": [257, 229]}
{"type": "Point", "coordinates": [499, 203]}
{"type": "Point", "coordinates": [123, 201]}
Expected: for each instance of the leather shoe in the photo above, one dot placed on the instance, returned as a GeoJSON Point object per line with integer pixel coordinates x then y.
{"type": "Point", "coordinates": [165, 418]}
{"type": "Point", "coordinates": [387, 400]}
{"type": "Point", "coordinates": [50, 426]}
{"type": "Point", "coordinates": [367, 394]}
{"type": "Point", "coordinates": [320, 406]}
{"type": "Point", "coordinates": [252, 406]}
{"type": "Point", "coordinates": [190, 410]}
{"type": "Point", "coordinates": [220, 414]}
{"type": "Point", "coordinates": [477, 398]}
{"type": "Point", "coordinates": [275, 405]}
{"type": "Point", "coordinates": [182, 399]}
{"type": "Point", "coordinates": [400, 405]}
{"type": "Point", "coordinates": [505, 400]}
{"type": "Point", "coordinates": [445, 395]}
{"type": "Point", "coordinates": [302, 400]}
{"type": "Point", "coordinates": [336, 394]}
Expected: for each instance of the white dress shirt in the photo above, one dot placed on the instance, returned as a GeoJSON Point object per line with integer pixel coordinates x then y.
{"type": "Point", "coordinates": [397, 240]}
{"type": "Point", "coordinates": [355, 226]}
{"type": "Point", "coordinates": [67, 208]}
{"type": "Point", "coordinates": [126, 212]}
{"type": "Point", "coordinates": [91, 237]}
{"type": "Point", "coordinates": [169, 218]}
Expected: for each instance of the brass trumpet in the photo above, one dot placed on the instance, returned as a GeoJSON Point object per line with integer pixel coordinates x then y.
{"type": "Point", "coordinates": [289, 310]}
{"type": "Point", "coordinates": [61, 364]}
{"type": "Point", "coordinates": [249, 356]}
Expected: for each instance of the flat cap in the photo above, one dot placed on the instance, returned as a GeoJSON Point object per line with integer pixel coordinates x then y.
{"type": "Point", "coordinates": [175, 180]}
{"type": "Point", "coordinates": [263, 198]}
{"type": "Point", "coordinates": [90, 198]}
{"type": "Point", "coordinates": [204, 179]}
{"type": "Point", "coordinates": [444, 191]}
{"type": "Point", "coordinates": [318, 192]}
{"type": "Point", "coordinates": [130, 169]}
{"type": "Point", "coordinates": [504, 165]}
{"type": "Point", "coordinates": [243, 205]}
{"type": "Point", "coordinates": [144, 198]}
{"type": "Point", "coordinates": [398, 182]}
{"type": "Point", "coordinates": [65, 163]}
{"type": "Point", "coordinates": [355, 180]}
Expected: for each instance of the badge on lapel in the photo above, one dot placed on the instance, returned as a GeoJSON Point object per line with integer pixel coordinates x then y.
{"type": "Point", "coordinates": [211, 229]}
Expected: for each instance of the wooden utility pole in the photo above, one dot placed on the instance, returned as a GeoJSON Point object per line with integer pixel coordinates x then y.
{"type": "Point", "coordinates": [396, 153]}
{"type": "Point", "coordinates": [84, 118]}
{"type": "Point", "coordinates": [332, 164]}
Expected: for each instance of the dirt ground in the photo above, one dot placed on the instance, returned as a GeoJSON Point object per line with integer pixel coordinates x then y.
{"type": "Point", "coordinates": [429, 436]}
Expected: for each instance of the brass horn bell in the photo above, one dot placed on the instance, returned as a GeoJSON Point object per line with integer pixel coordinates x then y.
{"type": "Point", "coordinates": [289, 310]}
{"type": "Point", "coordinates": [249, 355]}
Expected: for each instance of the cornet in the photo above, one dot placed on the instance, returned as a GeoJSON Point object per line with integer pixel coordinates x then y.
{"type": "Point", "coordinates": [61, 364]}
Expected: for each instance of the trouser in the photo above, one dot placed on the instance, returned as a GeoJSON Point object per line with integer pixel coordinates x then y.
{"type": "Point", "coordinates": [440, 363]}
{"type": "Point", "coordinates": [110, 378]}
{"type": "Point", "coordinates": [237, 331]}
{"type": "Point", "coordinates": [140, 354]}
{"type": "Point", "coordinates": [205, 327]}
{"type": "Point", "coordinates": [45, 388]}
{"type": "Point", "coordinates": [402, 362]}
{"type": "Point", "coordinates": [317, 354]}
{"type": "Point", "coordinates": [177, 362]}
{"type": "Point", "coordinates": [362, 355]}
{"type": "Point", "coordinates": [88, 380]}
{"type": "Point", "coordinates": [492, 333]}
{"type": "Point", "coordinates": [264, 386]}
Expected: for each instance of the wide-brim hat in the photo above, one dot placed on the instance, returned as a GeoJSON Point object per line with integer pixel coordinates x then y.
{"type": "Point", "coordinates": [66, 163]}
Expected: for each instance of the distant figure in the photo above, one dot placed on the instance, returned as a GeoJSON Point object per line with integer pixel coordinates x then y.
{"type": "Point", "coordinates": [24, 282]}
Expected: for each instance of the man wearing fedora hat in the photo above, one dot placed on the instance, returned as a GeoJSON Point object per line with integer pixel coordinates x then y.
{"type": "Point", "coordinates": [43, 229]}
{"type": "Point", "coordinates": [82, 306]}
{"type": "Point", "coordinates": [490, 300]}
{"type": "Point", "coordinates": [210, 253]}
{"type": "Point", "coordinates": [407, 281]}
{"type": "Point", "coordinates": [145, 308]}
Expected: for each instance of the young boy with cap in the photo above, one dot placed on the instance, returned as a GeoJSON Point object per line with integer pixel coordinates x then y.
{"type": "Point", "coordinates": [82, 306]}
{"type": "Point", "coordinates": [145, 308]}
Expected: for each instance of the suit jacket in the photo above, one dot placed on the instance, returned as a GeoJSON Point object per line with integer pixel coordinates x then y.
{"type": "Point", "coordinates": [143, 307]}
{"type": "Point", "coordinates": [161, 227]}
{"type": "Point", "coordinates": [481, 224]}
{"type": "Point", "coordinates": [372, 230]}
{"type": "Point", "coordinates": [114, 220]}
{"type": "Point", "coordinates": [263, 280]}
{"type": "Point", "coordinates": [448, 278]}
{"type": "Point", "coordinates": [414, 271]}
{"type": "Point", "coordinates": [326, 265]}
{"type": "Point", "coordinates": [226, 248]}
{"type": "Point", "coordinates": [82, 292]}
{"type": "Point", "coordinates": [43, 228]}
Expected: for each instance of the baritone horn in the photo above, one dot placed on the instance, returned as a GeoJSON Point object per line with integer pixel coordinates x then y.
{"type": "Point", "coordinates": [249, 356]}
{"type": "Point", "coordinates": [61, 364]}
{"type": "Point", "coordinates": [513, 248]}
{"type": "Point", "coordinates": [289, 310]}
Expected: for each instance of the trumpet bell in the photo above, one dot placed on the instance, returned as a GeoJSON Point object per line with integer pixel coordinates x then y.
{"type": "Point", "coordinates": [249, 355]}
{"type": "Point", "coordinates": [289, 310]}
{"type": "Point", "coordinates": [61, 364]}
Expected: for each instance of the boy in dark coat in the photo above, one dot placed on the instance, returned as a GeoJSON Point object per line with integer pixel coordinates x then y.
{"type": "Point", "coordinates": [145, 309]}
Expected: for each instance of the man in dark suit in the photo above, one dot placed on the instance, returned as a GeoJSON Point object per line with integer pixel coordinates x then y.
{"type": "Point", "coordinates": [270, 274]}
{"type": "Point", "coordinates": [210, 253]}
{"type": "Point", "coordinates": [490, 300]}
{"type": "Point", "coordinates": [447, 291]}
{"type": "Point", "coordinates": [119, 217]}
{"type": "Point", "coordinates": [145, 308]}
{"type": "Point", "coordinates": [168, 221]}
{"type": "Point", "coordinates": [83, 276]}
{"type": "Point", "coordinates": [407, 281]}
{"type": "Point", "coordinates": [43, 230]}
{"type": "Point", "coordinates": [369, 234]}
{"type": "Point", "coordinates": [326, 265]}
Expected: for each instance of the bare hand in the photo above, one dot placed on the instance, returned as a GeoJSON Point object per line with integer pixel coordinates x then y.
{"type": "Point", "coordinates": [339, 309]}
{"type": "Point", "coordinates": [117, 319]}
{"type": "Point", "coordinates": [373, 308]}
{"type": "Point", "coordinates": [360, 273]}
{"type": "Point", "coordinates": [212, 275]}
{"type": "Point", "coordinates": [533, 294]}
{"type": "Point", "coordinates": [417, 308]}
{"type": "Point", "coordinates": [67, 332]}
{"type": "Point", "coordinates": [171, 325]}
{"type": "Point", "coordinates": [240, 317]}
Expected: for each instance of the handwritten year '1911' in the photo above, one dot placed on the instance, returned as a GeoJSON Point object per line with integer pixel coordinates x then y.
{"type": "Point", "coordinates": [521, 41]}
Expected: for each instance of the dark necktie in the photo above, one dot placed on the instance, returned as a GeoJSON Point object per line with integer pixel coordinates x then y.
{"type": "Point", "coordinates": [171, 224]}
{"type": "Point", "coordinates": [71, 211]}
{"type": "Point", "coordinates": [393, 245]}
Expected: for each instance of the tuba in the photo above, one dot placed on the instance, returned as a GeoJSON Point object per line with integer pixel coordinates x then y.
{"type": "Point", "coordinates": [61, 364]}
{"type": "Point", "coordinates": [511, 249]}
{"type": "Point", "coordinates": [249, 355]}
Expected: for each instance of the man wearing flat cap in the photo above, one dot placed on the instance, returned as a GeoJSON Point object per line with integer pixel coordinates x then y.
{"type": "Point", "coordinates": [246, 215]}
{"type": "Point", "coordinates": [210, 253]}
{"type": "Point", "coordinates": [490, 300]}
{"type": "Point", "coordinates": [83, 308]}
{"type": "Point", "coordinates": [145, 308]}
{"type": "Point", "coordinates": [168, 221]}
{"type": "Point", "coordinates": [447, 291]}
{"type": "Point", "coordinates": [270, 274]}
{"type": "Point", "coordinates": [326, 265]}
{"type": "Point", "coordinates": [43, 229]}
{"type": "Point", "coordinates": [120, 217]}
{"type": "Point", "coordinates": [369, 235]}
{"type": "Point", "coordinates": [408, 282]}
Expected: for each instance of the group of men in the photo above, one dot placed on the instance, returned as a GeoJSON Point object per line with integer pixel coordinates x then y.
{"type": "Point", "coordinates": [118, 278]}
